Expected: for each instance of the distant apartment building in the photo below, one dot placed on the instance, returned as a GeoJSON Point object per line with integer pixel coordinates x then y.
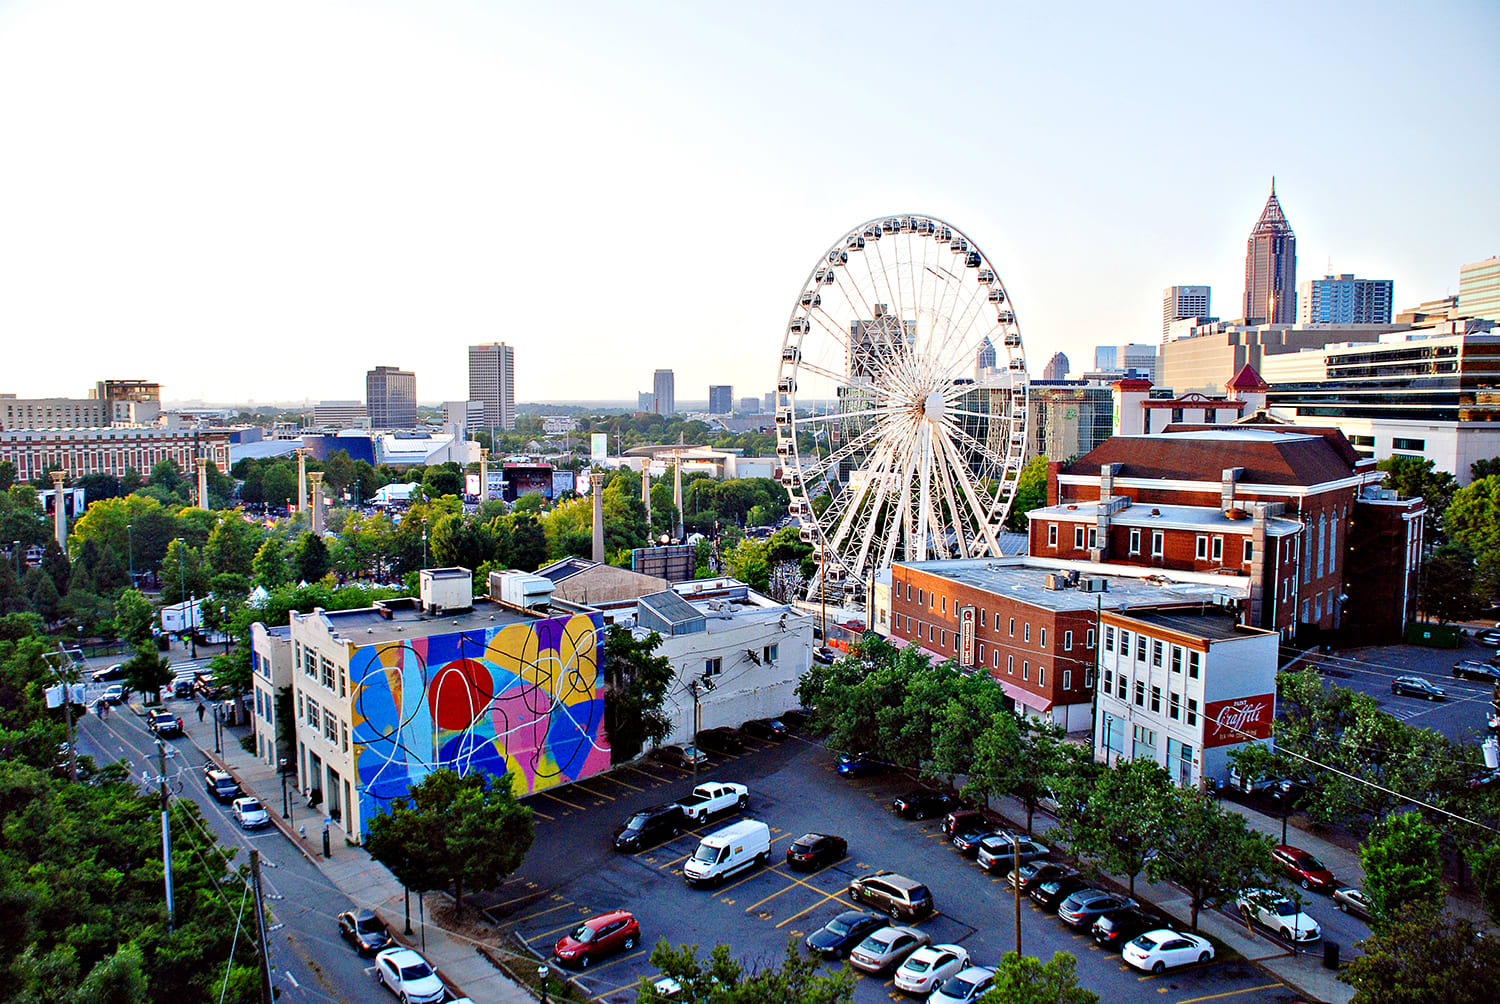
{"type": "Point", "coordinates": [645, 400]}
{"type": "Point", "coordinates": [768, 403]}
{"type": "Point", "coordinates": [1343, 299]}
{"type": "Point", "coordinates": [1479, 289]}
{"type": "Point", "coordinates": [391, 398]}
{"type": "Point", "coordinates": [1179, 303]}
{"type": "Point", "coordinates": [1068, 418]}
{"type": "Point", "coordinates": [109, 403]}
{"type": "Point", "coordinates": [463, 417]}
{"type": "Point", "coordinates": [664, 393]}
{"type": "Point", "coordinates": [340, 414]}
{"type": "Point", "coordinates": [750, 406]}
{"type": "Point", "coordinates": [111, 451]}
{"type": "Point", "coordinates": [1271, 267]}
{"type": "Point", "coordinates": [492, 380]}
{"type": "Point", "coordinates": [720, 399]}
{"type": "Point", "coordinates": [1056, 368]}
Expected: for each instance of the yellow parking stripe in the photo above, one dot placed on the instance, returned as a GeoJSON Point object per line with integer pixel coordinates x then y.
{"type": "Point", "coordinates": [1229, 993]}
{"type": "Point", "coordinates": [591, 791]}
{"type": "Point", "coordinates": [610, 777]}
{"type": "Point", "coordinates": [564, 801]}
{"type": "Point", "coordinates": [542, 913]}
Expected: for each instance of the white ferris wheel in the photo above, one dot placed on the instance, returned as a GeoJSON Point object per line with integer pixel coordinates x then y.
{"type": "Point", "coordinates": [901, 400]}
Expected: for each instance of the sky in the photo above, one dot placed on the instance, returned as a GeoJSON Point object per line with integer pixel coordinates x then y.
{"type": "Point", "coordinates": [259, 202]}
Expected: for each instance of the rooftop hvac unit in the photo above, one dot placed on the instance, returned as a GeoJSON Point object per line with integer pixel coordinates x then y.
{"type": "Point", "coordinates": [1094, 584]}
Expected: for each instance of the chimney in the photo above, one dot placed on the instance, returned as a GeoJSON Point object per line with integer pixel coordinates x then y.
{"type": "Point", "coordinates": [596, 485]}
{"type": "Point", "coordinates": [1226, 487]}
{"type": "Point", "coordinates": [1107, 474]}
{"type": "Point", "coordinates": [1054, 467]}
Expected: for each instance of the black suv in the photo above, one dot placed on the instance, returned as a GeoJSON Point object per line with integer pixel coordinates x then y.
{"type": "Point", "coordinates": [812, 851]}
{"type": "Point", "coordinates": [923, 804]}
{"type": "Point", "coordinates": [649, 826]}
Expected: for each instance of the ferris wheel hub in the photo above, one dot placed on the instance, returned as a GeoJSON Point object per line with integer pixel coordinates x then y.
{"type": "Point", "coordinates": [932, 407]}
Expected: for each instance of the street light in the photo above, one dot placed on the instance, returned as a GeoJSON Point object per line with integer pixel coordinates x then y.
{"type": "Point", "coordinates": [424, 542]}
{"type": "Point", "coordinates": [224, 626]}
{"type": "Point", "coordinates": [543, 972]}
{"type": "Point", "coordinates": [286, 804]}
{"type": "Point", "coordinates": [130, 546]}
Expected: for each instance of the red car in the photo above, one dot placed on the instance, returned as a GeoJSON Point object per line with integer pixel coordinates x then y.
{"type": "Point", "coordinates": [616, 931]}
{"type": "Point", "coordinates": [1304, 869]}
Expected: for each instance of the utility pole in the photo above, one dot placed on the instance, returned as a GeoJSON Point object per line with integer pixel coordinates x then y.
{"type": "Point", "coordinates": [1015, 871]}
{"type": "Point", "coordinates": [697, 723]}
{"type": "Point", "coordinates": [66, 679]}
{"type": "Point", "coordinates": [260, 926]}
{"type": "Point", "coordinates": [166, 834]}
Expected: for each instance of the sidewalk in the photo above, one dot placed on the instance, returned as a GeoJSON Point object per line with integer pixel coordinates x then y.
{"type": "Point", "coordinates": [364, 880]}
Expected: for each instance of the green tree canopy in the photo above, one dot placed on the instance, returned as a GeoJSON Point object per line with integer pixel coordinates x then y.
{"type": "Point", "coordinates": [1423, 955]}
{"type": "Point", "coordinates": [311, 561]}
{"type": "Point", "coordinates": [232, 545]}
{"type": "Point", "coordinates": [639, 681]}
{"type": "Point", "coordinates": [1210, 852]}
{"type": "Point", "coordinates": [1473, 521]}
{"type": "Point", "coordinates": [1403, 867]}
{"type": "Point", "coordinates": [147, 672]}
{"type": "Point", "coordinates": [1031, 493]}
{"type": "Point", "coordinates": [1024, 979]}
{"type": "Point", "coordinates": [1414, 477]}
{"type": "Point", "coordinates": [721, 979]}
{"type": "Point", "coordinates": [270, 564]}
{"type": "Point", "coordinates": [1128, 815]}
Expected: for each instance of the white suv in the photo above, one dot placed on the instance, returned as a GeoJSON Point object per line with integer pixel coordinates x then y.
{"type": "Point", "coordinates": [1273, 910]}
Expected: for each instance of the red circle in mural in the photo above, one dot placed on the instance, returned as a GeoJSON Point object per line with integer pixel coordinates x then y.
{"type": "Point", "coordinates": [459, 693]}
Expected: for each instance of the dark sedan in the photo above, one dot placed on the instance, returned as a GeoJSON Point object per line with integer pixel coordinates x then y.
{"type": "Point", "coordinates": [812, 851]}
{"type": "Point", "coordinates": [723, 740]}
{"type": "Point", "coordinates": [923, 804]}
{"type": "Point", "coordinates": [1416, 686]}
{"type": "Point", "coordinates": [1118, 929]}
{"type": "Point", "coordinates": [1034, 873]}
{"type": "Point", "coordinates": [1085, 906]}
{"type": "Point", "coordinates": [1053, 891]}
{"type": "Point", "coordinates": [837, 938]}
{"type": "Point", "coordinates": [967, 841]}
{"type": "Point", "coordinates": [862, 765]}
{"type": "Point", "coordinates": [365, 931]}
{"type": "Point", "coordinates": [1481, 671]}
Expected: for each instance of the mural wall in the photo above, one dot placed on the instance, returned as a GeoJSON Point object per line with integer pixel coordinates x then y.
{"type": "Point", "coordinates": [524, 698]}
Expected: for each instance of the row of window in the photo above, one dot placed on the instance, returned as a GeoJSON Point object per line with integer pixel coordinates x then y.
{"type": "Point", "coordinates": [321, 670]}
{"type": "Point", "coordinates": [1155, 648]}
{"type": "Point", "coordinates": [335, 730]}
{"type": "Point", "coordinates": [1149, 696]}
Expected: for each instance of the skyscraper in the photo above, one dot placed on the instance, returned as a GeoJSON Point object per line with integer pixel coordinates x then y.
{"type": "Point", "coordinates": [391, 398]}
{"type": "Point", "coordinates": [720, 399]}
{"type": "Point", "coordinates": [1178, 303]}
{"type": "Point", "coordinates": [492, 380]}
{"type": "Point", "coordinates": [1271, 267]}
{"type": "Point", "coordinates": [984, 357]}
{"type": "Point", "coordinates": [1343, 299]}
{"type": "Point", "coordinates": [1056, 368]}
{"type": "Point", "coordinates": [1479, 289]}
{"type": "Point", "coordinates": [663, 388]}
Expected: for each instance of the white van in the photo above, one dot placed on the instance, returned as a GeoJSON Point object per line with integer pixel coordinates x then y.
{"type": "Point", "coordinates": [724, 852]}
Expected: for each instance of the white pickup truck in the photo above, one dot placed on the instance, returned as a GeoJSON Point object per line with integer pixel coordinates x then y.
{"type": "Point", "coordinates": [712, 798]}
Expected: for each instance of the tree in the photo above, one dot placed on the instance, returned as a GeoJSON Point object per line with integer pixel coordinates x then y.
{"type": "Point", "coordinates": [1031, 493]}
{"type": "Point", "coordinates": [55, 563]}
{"type": "Point", "coordinates": [1023, 979]}
{"type": "Point", "coordinates": [134, 616]}
{"type": "Point", "coordinates": [42, 595]}
{"type": "Point", "coordinates": [721, 979]}
{"type": "Point", "coordinates": [270, 564]}
{"type": "Point", "coordinates": [1484, 862]}
{"type": "Point", "coordinates": [1403, 866]}
{"type": "Point", "coordinates": [1448, 584]}
{"type": "Point", "coordinates": [1473, 520]}
{"type": "Point", "coordinates": [1210, 853]}
{"type": "Point", "coordinates": [1423, 955]}
{"type": "Point", "coordinates": [7, 475]}
{"type": "Point", "coordinates": [451, 831]}
{"type": "Point", "coordinates": [1414, 477]}
{"type": "Point", "coordinates": [1477, 470]}
{"type": "Point", "coordinates": [458, 541]}
{"type": "Point", "coordinates": [445, 479]}
{"type": "Point", "coordinates": [232, 545]}
{"type": "Point", "coordinates": [520, 541]}
{"type": "Point", "coordinates": [638, 682]}
{"type": "Point", "coordinates": [311, 561]}
{"type": "Point", "coordinates": [147, 673]}
{"type": "Point", "coordinates": [182, 572]}
{"type": "Point", "coordinates": [747, 562]}
{"type": "Point", "coordinates": [1128, 815]}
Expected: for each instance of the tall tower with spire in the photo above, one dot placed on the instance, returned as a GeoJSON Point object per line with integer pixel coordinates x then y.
{"type": "Point", "coordinates": [1271, 267]}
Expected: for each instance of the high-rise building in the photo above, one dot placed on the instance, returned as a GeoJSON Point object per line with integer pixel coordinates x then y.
{"type": "Point", "coordinates": [492, 379]}
{"type": "Point", "coordinates": [664, 391]}
{"type": "Point", "coordinates": [985, 358]}
{"type": "Point", "coordinates": [768, 405]}
{"type": "Point", "coordinates": [1479, 289]}
{"type": "Point", "coordinates": [750, 405]}
{"type": "Point", "coordinates": [1056, 368]}
{"type": "Point", "coordinates": [645, 401]}
{"type": "Point", "coordinates": [1181, 302]}
{"type": "Point", "coordinates": [720, 399]}
{"type": "Point", "coordinates": [391, 398]}
{"type": "Point", "coordinates": [1134, 359]}
{"type": "Point", "coordinates": [1271, 267]}
{"type": "Point", "coordinates": [1343, 299]}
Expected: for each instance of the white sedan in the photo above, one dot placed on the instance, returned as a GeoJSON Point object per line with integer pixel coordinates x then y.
{"type": "Point", "coordinates": [925, 968]}
{"type": "Point", "coordinates": [250, 814]}
{"type": "Point", "coordinates": [407, 975]}
{"type": "Point", "coordinates": [1155, 951]}
{"type": "Point", "coordinates": [1274, 911]}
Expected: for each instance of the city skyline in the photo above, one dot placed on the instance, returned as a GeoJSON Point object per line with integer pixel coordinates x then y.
{"type": "Point", "coordinates": [337, 213]}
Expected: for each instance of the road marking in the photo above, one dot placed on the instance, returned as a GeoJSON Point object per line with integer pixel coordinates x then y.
{"type": "Point", "coordinates": [614, 780]}
{"type": "Point", "coordinates": [293, 980]}
{"type": "Point", "coordinates": [539, 812]}
{"type": "Point", "coordinates": [564, 801]}
{"type": "Point", "coordinates": [644, 773]}
{"type": "Point", "coordinates": [1229, 993]}
{"type": "Point", "coordinates": [591, 791]}
{"type": "Point", "coordinates": [517, 921]}
{"type": "Point", "coordinates": [826, 897]}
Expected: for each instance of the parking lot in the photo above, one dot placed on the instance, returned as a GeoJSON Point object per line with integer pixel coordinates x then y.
{"type": "Point", "coordinates": [572, 872]}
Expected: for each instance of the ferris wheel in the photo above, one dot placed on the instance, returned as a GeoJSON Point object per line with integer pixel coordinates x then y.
{"type": "Point", "coordinates": [900, 400]}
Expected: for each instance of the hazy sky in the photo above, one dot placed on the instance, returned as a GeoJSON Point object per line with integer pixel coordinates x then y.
{"type": "Point", "coordinates": [263, 200]}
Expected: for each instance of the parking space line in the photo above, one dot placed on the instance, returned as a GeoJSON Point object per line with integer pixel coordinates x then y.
{"type": "Point", "coordinates": [754, 872]}
{"type": "Point", "coordinates": [517, 921]}
{"type": "Point", "coordinates": [619, 958]}
{"type": "Point", "coordinates": [591, 791]}
{"type": "Point", "coordinates": [1229, 993]}
{"type": "Point", "coordinates": [564, 801]}
{"type": "Point", "coordinates": [644, 773]}
{"type": "Point", "coordinates": [538, 812]}
{"type": "Point", "coordinates": [826, 897]}
{"type": "Point", "coordinates": [614, 780]}
{"type": "Point", "coordinates": [622, 987]}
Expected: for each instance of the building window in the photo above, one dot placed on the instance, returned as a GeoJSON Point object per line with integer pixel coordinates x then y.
{"type": "Point", "coordinates": [1041, 676]}
{"type": "Point", "coordinates": [1051, 534]}
{"type": "Point", "coordinates": [1025, 670]}
{"type": "Point", "coordinates": [299, 704]}
{"type": "Point", "coordinates": [1078, 538]}
{"type": "Point", "coordinates": [1156, 647]}
{"type": "Point", "coordinates": [344, 731]}
{"type": "Point", "coordinates": [1026, 632]}
{"type": "Point", "coordinates": [1012, 627]}
{"type": "Point", "coordinates": [1067, 641]}
{"type": "Point", "coordinates": [771, 653]}
{"type": "Point", "coordinates": [313, 718]}
{"type": "Point", "coordinates": [1135, 542]}
{"type": "Point", "coordinates": [942, 636]}
{"type": "Point", "coordinates": [309, 663]}
{"type": "Point", "coordinates": [1042, 642]}
{"type": "Point", "coordinates": [713, 667]}
{"type": "Point", "coordinates": [1174, 707]}
{"type": "Point", "coordinates": [1093, 536]}
{"type": "Point", "coordinates": [920, 600]}
{"type": "Point", "coordinates": [1120, 686]}
{"type": "Point", "coordinates": [1318, 607]}
{"type": "Point", "coordinates": [1088, 677]}
{"type": "Point", "coordinates": [1176, 414]}
{"type": "Point", "coordinates": [1157, 545]}
{"type": "Point", "coordinates": [1109, 638]}
{"type": "Point", "coordinates": [1090, 637]}
{"type": "Point", "coordinates": [327, 679]}
{"type": "Point", "coordinates": [945, 604]}
{"type": "Point", "coordinates": [1306, 610]}
{"type": "Point", "coordinates": [1249, 549]}
{"type": "Point", "coordinates": [343, 681]}
{"type": "Point", "coordinates": [330, 728]}
{"type": "Point", "coordinates": [1176, 658]}
{"type": "Point", "coordinates": [1416, 445]}
{"type": "Point", "coordinates": [1156, 700]}
{"type": "Point", "coordinates": [1114, 733]}
{"type": "Point", "coordinates": [1192, 712]}
{"type": "Point", "coordinates": [1125, 643]}
{"type": "Point", "coordinates": [1193, 658]}
{"type": "Point", "coordinates": [995, 655]}
{"type": "Point", "coordinates": [1140, 693]}
{"type": "Point", "coordinates": [1010, 665]}
{"type": "Point", "coordinates": [1202, 552]}
{"type": "Point", "coordinates": [1145, 743]}
{"type": "Point", "coordinates": [1067, 679]}
{"type": "Point", "coordinates": [981, 654]}
{"type": "Point", "coordinates": [1140, 648]}
{"type": "Point", "coordinates": [981, 616]}
{"type": "Point", "coordinates": [1218, 552]}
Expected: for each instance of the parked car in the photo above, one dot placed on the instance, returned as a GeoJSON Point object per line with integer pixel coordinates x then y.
{"type": "Point", "coordinates": [1053, 891]}
{"type": "Point", "coordinates": [1116, 930]}
{"type": "Point", "coordinates": [1155, 951]}
{"type": "Point", "coordinates": [963, 987]}
{"type": "Point", "coordinates": [923, 803]}
{"type": "Point", "coordinates": [887, 948]}
{"type": "Point", "coordinates": [250, 814]}
{"type": "Point", "coordinates": [220, 784]}
{"type": "Point", "coordinates": [1489, 637]}
{"type": "Point", "coordinates": [997, 852]}
{"type": "Point", "coordinates": [1286, 792]}
{"type": "Point", "coordinates": [1416, 686]}
{"type": "Point", "coordinates": [825, 656]}
{"type": "Point", "coordinates": [407, 975]}
{"type": "Point", "coordinates": [616, 931]}
{"type": "Point", "coordinates": [115, 672]}
{"type": "Point", "coordinates": [114, 694]}
{"type": "Point", "coordinates": [1085, 906]}
{"type": "Point", "coordinates": [967, 841]}
{"type": "Point", "coordinates": [837, 938]}
{"type": "Point", "coordinates": [897, 896]}
{"type": "Point", "coordinates": [714, 798]}
{"type": "Point", "coordinates": [1247, 785]}
{"type": "Point", "coordinates": [1277, 913]}
{"type": "Point", "coordinates": [1352, 901]}
{"type": "Point", "coordinates": [765, 728]}
{"type": "Point", "coordinates": [861, 765]}
{"type": "Point", "coordinates": [687, 757]}
{"type": "Point", "coordinates": [163, 724]}
{"type": "Point", "coordinates": [724, 741]}
{"type": "Point", "coordinates": [182, 688]}
{"type": "Point", "coordinates": [960, 820]}
{"type": "Point", "coordinates": [364, 931]}
{"type": "Point", "coordinates": [1302, 868]}
{"type": "Point", "coordinates": [1470, 670]}
{"type": "Point", "coordinates": [927, 967]}
{"type": "Point", "coordinates": [1035, 873]}
{"type": "Point", "coordinates": [812, 851]}
{"type": "Point", "coordinates": [650, 826]}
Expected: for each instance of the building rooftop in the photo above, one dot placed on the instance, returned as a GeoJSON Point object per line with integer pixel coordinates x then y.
{"type": "Point", "coordinates": [1270, 455]}
{"type": "Point", "coordinates": [1180, 517]}
{"type": "Point", "coordinates": [1025, 579]}
{"type": "Point", "coordinates": [370, 626]}
{"type": "Point", "coordinates": [565, 567]}
{"type": "Point", "coordinates": [1211, 624]}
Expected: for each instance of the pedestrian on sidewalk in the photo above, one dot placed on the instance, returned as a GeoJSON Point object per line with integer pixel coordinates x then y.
{"type": "Point", "coordinates": [201, 709]}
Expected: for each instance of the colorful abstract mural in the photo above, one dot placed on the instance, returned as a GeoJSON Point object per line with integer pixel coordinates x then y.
{"type": "Point", "coordinates": [524, 698]}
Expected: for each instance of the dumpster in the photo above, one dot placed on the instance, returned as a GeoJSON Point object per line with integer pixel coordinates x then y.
{"type": "Point", "coordinates": [1330, 955]}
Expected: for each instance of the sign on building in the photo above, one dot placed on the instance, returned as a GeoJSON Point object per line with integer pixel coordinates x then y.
{"type": "Point", "coordinates": [966, 653]}
{"type": "Point", "coordinates": [598, 445]}
{"type": "Point", "coordinates": [1243, 719]}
